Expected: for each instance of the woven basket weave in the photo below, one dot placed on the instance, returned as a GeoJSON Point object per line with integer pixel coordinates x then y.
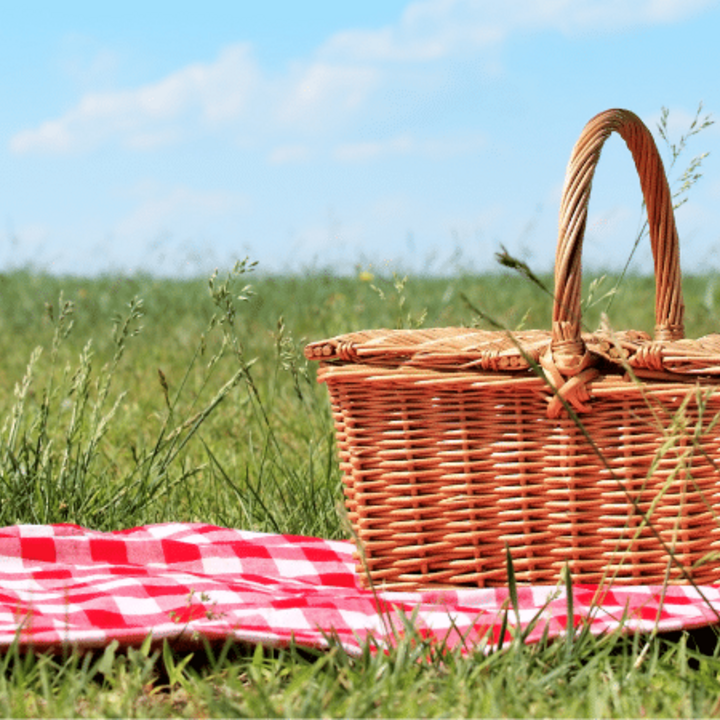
{"type": "Point", "coordinates": [596, 452]}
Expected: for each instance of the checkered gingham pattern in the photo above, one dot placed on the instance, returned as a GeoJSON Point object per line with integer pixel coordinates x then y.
{"type": "Point", "coordinates": [63, 584]}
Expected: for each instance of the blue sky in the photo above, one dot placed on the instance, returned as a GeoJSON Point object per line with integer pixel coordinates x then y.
{"type": "Point", "coordinates": [173, 137]}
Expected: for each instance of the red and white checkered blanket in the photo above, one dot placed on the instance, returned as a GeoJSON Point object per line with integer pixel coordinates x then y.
{"type": "Point", "coordinates": [66, 584]}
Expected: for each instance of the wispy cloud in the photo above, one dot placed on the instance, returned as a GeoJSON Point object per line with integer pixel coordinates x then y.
{"type": "Point", "coordinates": [285, 154]}
{"type": "Point", "coordinates": [434, 29]}
{"type": "Point", "coordinates": [323, 92]}
{"type": "Point", "coordinates": [144, 117]}
{"type": "Point", "coordinates": [612, 15]}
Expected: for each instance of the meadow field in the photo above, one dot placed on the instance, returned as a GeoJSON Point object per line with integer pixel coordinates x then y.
{"type": "Point", "coordinates": [134, 400]}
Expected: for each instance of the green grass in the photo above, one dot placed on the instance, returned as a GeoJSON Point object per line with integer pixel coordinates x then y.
{"type": "Point", "coordinates": [154, 400]}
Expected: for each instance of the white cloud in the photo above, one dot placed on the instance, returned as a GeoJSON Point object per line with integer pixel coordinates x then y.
{"type": "Point", "coordinates": [426, 31]}
{"type": "Point", "coordinates": [322, 92]}
{"type": "Point", "coordinates": [52, 135]}
{"type": "Point", "coordinates": [284, 154]}
{"type": "Point", "coordinates": [593, 15]}
{"type": "Point", "coordinates": [213, 92]}
{"type": "Point", "coordinates": [433, 29]}
{"type": "Point", "coordinates": [393, 44]}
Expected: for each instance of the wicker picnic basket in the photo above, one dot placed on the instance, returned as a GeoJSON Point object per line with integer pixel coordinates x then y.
{"type": "Point", "coordinates": [596, 452]}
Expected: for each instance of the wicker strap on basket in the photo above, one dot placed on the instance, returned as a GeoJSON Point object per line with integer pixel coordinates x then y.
{"type": "Point", "coordinates": [568, 356]}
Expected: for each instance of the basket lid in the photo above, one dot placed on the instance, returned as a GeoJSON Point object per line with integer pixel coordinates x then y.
{"type": "Point", "coordinates": [453, 349]}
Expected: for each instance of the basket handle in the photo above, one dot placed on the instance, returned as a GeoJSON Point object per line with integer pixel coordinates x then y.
{"type": "Point", "coordinates": [568, 351]}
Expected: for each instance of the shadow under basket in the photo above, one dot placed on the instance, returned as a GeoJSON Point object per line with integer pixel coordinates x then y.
{"type": "Point", "coordinates": [595, 452]}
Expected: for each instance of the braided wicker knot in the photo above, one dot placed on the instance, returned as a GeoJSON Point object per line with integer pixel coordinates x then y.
{"type": "Point", "coordinates": [568, 366]}
{"type": "Point", "coordinates": [649, 356]}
